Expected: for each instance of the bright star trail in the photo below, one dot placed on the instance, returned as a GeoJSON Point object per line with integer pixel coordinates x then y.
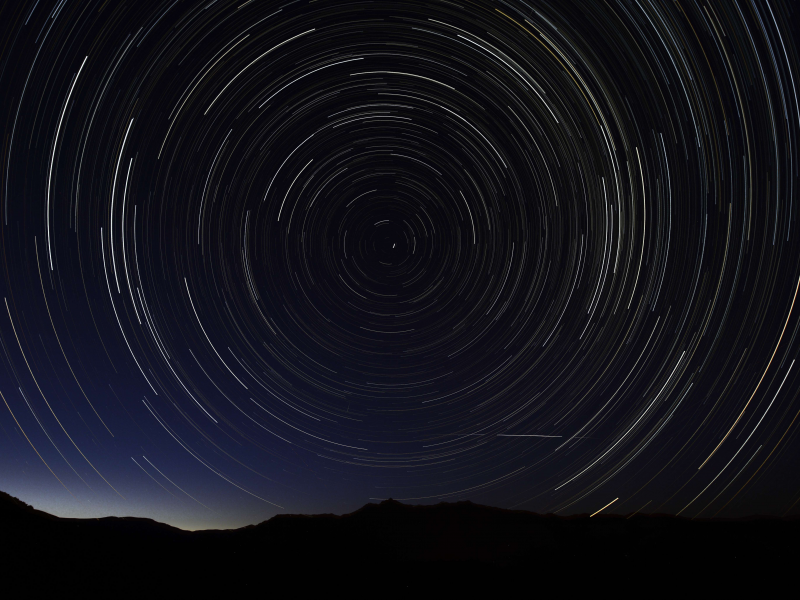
{"type": "Point", "coordinates": [263, 257]}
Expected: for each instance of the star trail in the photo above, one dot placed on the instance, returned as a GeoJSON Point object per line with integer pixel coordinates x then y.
{"type": "Point", "coordinates": [263, 257]}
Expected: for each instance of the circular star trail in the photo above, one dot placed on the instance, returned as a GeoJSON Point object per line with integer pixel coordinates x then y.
{"type": "Point", "coordinates": [263, 257]}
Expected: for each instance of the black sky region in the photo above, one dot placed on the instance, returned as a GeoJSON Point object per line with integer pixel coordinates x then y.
{"type": "Point", "coordinates": [264, 257]}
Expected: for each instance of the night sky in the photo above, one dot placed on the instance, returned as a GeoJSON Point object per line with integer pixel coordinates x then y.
{"type": "Point", "coordinates": [262, 258]}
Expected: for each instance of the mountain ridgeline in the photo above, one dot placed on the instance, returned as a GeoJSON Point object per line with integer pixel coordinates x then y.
{"type": "Point", "coordinates": [396, 547]}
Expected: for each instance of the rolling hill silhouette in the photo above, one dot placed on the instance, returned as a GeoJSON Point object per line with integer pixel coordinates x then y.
{"type": "Point", "coordinates": [393, 547]}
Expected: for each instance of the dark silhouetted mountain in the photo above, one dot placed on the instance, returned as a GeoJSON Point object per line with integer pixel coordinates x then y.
{"type": "Point", "coordinates": [391, 548]}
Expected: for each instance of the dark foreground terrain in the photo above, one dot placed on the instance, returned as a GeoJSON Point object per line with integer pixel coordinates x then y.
{"type": "Point", "coordinates": [392, 549]}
